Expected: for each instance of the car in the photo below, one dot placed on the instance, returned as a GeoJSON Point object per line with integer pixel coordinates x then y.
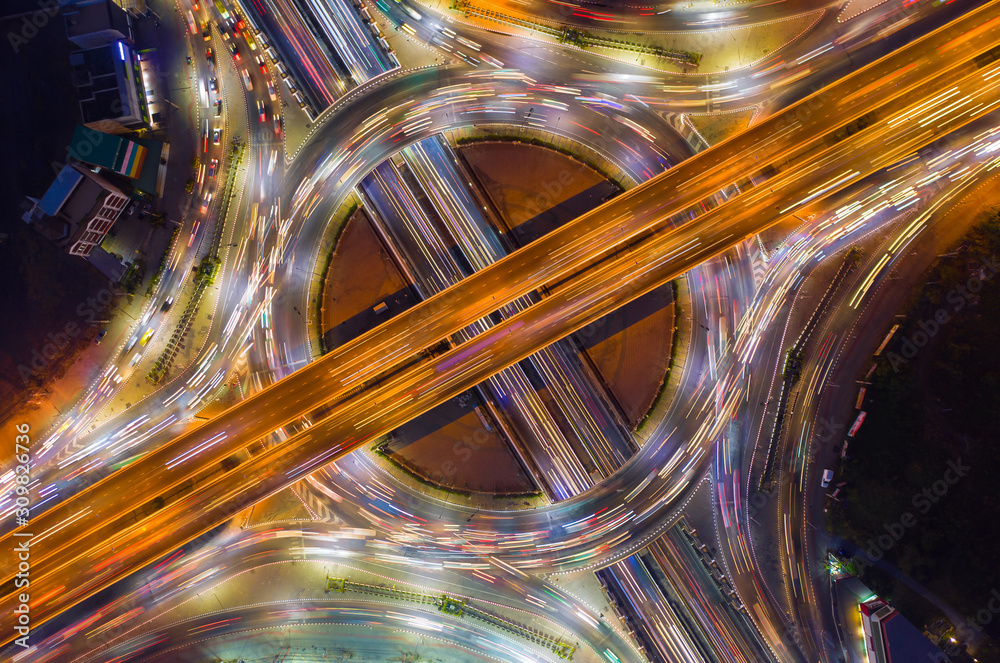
{"type": "Point", "coordinates": [213, 84]}
{"type": "Point", "coordinates": [212, 168]}
{"type": "Point", "coordinates": [206, 201]}
{"type": "Point", "coordinates": [216, 136]}
{"type": "Point", "coordinates": [260, 63]}
{"type": "Point", "coordinates": [167, 303]}
{"type": "Point", "coordinates": [145, 337]}
{"type": "Point", "coordinates": [218, 107]}
{"type": "Point", "coordinates": [235, 51]}
{"type": "Point", "coordinates": [206, 32]}
{"type": "Point", "coordinates": [208, 54]}
{"type": "Point", "coordinates": [271, 92]}
{"type": "Point", "coordinates": [261, 112]}
{"type": "Point", "coordinates": [131, 208]}
{"type": "Point", "coordinates": [277, 125]}
{"type": "Point", "coordinates": [100, 335]}
{"type": "Point", "coordinates": [827, 478]}
{"type": "Point", "coordinates": [246, 80]}
{"type": "Point", "coordinates": [491, 61]}
{"type": "Point", "coordinates": [132, 342]}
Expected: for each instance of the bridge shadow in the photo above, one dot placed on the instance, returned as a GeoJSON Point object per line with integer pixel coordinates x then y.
{"type": "Point", "coordinates": [368, 319]}
{"type": "Point", "coordinates": [571, 208]}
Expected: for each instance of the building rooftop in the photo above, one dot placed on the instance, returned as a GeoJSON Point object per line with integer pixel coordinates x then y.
{"type": "Point", "coordinates": [107, 264]}
{"type": "Point", "coordinates": [894, 638]}
{"type": "Point", "coordinates": [115, 153]}
{"type": "Point", "coordinates": [109, 84]}
{"type": "Point", "coordinates": [96, 77]}
{"type": "Point", "coordinates": [146, 181]}
{"type": "Point", "coordinates": [60, 190]}
{"type": "Point", "coordinates": [905, 642]}
{"type": "Point", "coordinates": [89, 23]}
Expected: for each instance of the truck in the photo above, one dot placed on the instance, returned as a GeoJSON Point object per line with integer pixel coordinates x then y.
{"type": "Point", "coordinates": [827, 478]}
{"type": "Point", "coordinates": [857, 424]}
{"type": "Point", "coordinates": [381, 308]}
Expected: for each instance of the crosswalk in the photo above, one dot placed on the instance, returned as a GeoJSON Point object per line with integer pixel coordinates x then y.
{"type": "Point", "coordinates": [759, 258]}
{"type": "Point", "coordinates": [316, 503]}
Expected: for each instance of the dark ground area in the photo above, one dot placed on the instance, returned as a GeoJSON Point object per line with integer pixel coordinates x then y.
{"type": "Point", "coordinates": [42, 287]}
{"type": "Point", "coordinates": [39, 113]}
{"type": "Point", "coordinates": [928, 447]}
{"type": "Point", "coordinates": [44, 291]}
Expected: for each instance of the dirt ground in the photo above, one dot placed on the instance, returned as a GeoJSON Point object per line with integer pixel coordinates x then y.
{"type": "Point", "coordinates": [361, 275]}
{"type": "Point", "coordinates": [630, 348]}
{"type": "Point", "coordinates": [526, 181]}
{"type": "Point", "coordinates": [451, 447]}
{"type": "Point", "coordinates": [536, 190]}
